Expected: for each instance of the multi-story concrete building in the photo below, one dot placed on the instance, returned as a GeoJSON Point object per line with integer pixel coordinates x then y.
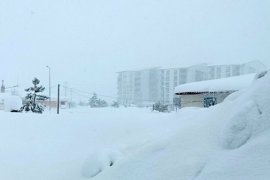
{"type": "Point", "coordinates": [138, 87]}
{"type": "Point", "coordinates": [147, 86]}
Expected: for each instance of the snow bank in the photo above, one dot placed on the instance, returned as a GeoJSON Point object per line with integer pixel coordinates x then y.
{"type": "Point", "coordinates": [78, 143]}
{"type": "Point", "coordinates": [228, 141]}
{"type": "Point", "coordinates": [98, 161]}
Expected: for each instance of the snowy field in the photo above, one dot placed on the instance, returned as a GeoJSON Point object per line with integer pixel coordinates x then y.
{"type": "Point", "coordinates": [229, 141]}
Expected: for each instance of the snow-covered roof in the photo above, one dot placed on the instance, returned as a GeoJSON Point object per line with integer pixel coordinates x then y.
{"type": "Point", "coordinates": [243, 63]}
{"type": "Point", "coordinates": [139, 69]}
{"type": "Point", "coordinates": [217, 85]}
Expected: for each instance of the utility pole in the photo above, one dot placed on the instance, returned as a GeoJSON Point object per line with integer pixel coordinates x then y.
{"type": "Point", "coordinates": [58, 99]}
{"type": "Point", "coordinates": [49, 87]}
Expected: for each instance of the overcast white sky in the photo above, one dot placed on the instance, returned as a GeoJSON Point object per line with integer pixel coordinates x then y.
{"type": "Point", "coordinates": [85, 41]}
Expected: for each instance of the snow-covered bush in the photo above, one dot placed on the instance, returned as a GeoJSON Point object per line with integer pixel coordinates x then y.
{"type": "Point", "coordinates": [95, 102]}
{"type": "Point", "coordinates": [160, 107]}
{"type": "Point", "coordinates": [115, 104]}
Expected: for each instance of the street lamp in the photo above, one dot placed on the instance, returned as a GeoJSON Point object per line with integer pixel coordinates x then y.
{"type": "Point", "coordinates": [49, 87]}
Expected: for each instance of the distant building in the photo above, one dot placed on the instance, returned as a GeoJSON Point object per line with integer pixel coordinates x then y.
{"type": "Point", "coordinates": [64, 103]}
{"type": "Point", "coordinates": [138, 87]}
{"type": "Point", "coordinates": [211, 92]}
{"type": "Point", "coordinates": [147, 86]}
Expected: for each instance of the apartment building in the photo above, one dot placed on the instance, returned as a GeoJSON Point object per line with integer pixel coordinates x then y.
{"type": "Point", "coordinates": [138, 87]}
{"type": "Point", "coordinates": [147, 86]}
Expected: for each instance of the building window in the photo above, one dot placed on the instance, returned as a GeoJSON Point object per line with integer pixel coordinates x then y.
{"type": "Point", "coordinates": [210, 101]}
{"type": "Point", "coordinates": [218, 72]}
{"type": "Point", "coordinates": [228, 71]}
{"type": "Point", "coordinates": [175, 76]}
{"type": "Point", "coordinates": [199, 75]}
{"type": "Point", "coordinates": [236, 70]}
{"type": "Point", "coordinates": [182, 76]}
{"type": "Point", "coordinates": [167, 75]}
{"type": "Point", "coordinates": [211, 73]}
{"type": "Point", "coordinates": [175, 84]}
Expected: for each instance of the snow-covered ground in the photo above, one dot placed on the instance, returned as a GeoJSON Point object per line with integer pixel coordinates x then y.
{"type": "Point", "coordinates": [227, 141]}
{"type": "Point", "coordinates": [77, 143]}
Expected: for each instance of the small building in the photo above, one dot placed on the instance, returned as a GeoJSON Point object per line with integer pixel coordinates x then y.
{"type": "Point", "coordinates": [210, 92]}
{"type": "Point", "coordinates": [64, 103]}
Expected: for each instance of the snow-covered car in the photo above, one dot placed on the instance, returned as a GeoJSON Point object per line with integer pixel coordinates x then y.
{"type": "Point", "coordinates": [10, 103]}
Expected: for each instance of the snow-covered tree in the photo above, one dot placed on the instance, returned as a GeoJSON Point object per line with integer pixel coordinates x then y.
{"type": "Point", "coordinates": [31, 100]}
{"type": "Point", "coordinates": [96, 102]}
{"type": "Point", "coordinates": [93, 102]}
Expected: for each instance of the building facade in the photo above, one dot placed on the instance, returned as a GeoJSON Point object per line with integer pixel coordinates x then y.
{"type": "Point", "coordinates": [148, 86]}
{"type": "Point", "coordinates": [211, 92]}
{"type": "Point", "coordinates": [138, 87]}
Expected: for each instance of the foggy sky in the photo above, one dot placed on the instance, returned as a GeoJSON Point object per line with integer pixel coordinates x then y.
{"type": "Point", "coordinates": [86, 42]}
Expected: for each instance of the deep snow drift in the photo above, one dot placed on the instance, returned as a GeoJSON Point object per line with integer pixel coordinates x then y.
{"type": "Point", "coordinates": [227, 141]}
{"type": "Point", "coordinates": [76, 144]}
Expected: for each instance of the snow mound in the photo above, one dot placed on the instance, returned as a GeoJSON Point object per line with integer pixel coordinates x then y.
{"type": "Point", "coordinates": [241, 126]}
{"type": "Point", "coordinates": [227, 141]}
{"type": "Point", "coordinates": [11, 102]}
{"type": "Point", "coordinates": [252, 115]}
{"type": "Point", "coordinates": [98, 161]}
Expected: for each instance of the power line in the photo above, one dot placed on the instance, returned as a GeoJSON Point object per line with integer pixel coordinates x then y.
{"type": "Point", "coordinates": [87, 94]}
